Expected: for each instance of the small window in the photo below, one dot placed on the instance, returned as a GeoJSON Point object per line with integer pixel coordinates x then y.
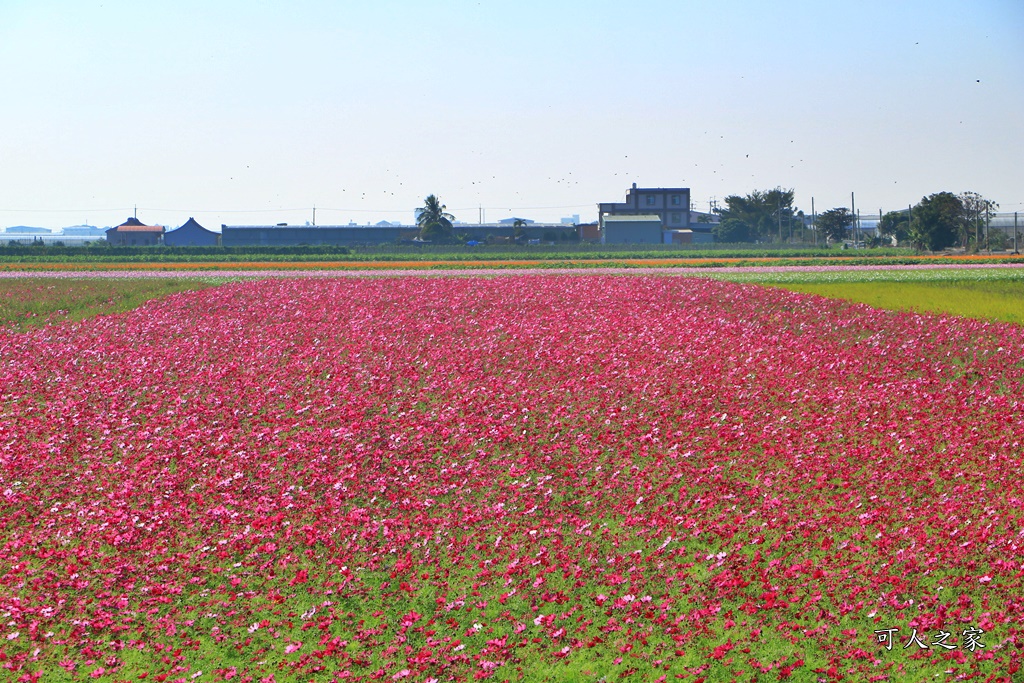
{"type": "Point", "coordinates": [677, 217]}
{"type": "Point", "coordinates": [650, 200]}
{"type": "Point", "coordinates": [675, 200]}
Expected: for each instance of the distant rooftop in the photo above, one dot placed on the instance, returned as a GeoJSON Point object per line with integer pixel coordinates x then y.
{"type": "Point", "coordinates": [641, 218]}
{"type": "Point", "coordinates": [27, 229]}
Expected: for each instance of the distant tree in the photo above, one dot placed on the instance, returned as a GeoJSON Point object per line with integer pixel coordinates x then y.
{"type": "Point", "coordinates": [834, 223]}
{"type": "Point", "coordinates": [731, 230]}
{"type": "Point", "coordinates": [976, 212]}
{"type": "Point", "coordinates": [764, 211]}
{"type": "Point", "coordinates": [434, 223]}
{"type": "Point", "coordinates": [895, 224]}
{"type": "Point", "coordinates": [999, 241]}
{"type": "Point", "coordinates": [937, 221]}
{"type": "Point", "coordinates": [874, 241]}
{"type": "Point", "coordinates": [519, 229]}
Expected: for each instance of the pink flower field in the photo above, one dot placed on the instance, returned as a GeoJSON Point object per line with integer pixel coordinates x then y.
{"type": "Point", "coordinates": [531, 477]}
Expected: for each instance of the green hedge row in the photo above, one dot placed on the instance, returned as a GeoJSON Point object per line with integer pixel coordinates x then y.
{"type": "Point", "coordinates": [163, 254]}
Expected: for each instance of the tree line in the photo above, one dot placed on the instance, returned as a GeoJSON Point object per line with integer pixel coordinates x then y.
{"type": "Point", "coordinates": [938, 221]}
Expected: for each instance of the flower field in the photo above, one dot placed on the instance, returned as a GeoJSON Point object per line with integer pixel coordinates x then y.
{"type": "Point", "coordinates": [525, 477]}
{"type": "Point", "coordinates": [33, 301]}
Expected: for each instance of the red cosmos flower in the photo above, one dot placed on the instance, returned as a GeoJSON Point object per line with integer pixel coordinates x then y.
{"type": "Point", "coordinates": [722, 650]}
{"type": "Point", "coordinates": [374, 467]}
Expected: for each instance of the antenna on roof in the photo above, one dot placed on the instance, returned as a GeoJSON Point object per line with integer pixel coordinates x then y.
{"type": "Point", "coordinates": [135, 211]}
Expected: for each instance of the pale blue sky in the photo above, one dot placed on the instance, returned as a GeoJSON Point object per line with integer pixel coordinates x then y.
{"type": "Point", "coordinates": [253, 112]}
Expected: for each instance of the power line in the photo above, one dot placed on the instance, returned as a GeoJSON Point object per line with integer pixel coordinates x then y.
{"type": "Point", "coordinates": [301, 208]}
{"type": "Point", "coordinates": [528, 208]}
{"type": "Point", "coordinates": [123, 208]}
{"type": "Point", "coordinates": [282, 209]}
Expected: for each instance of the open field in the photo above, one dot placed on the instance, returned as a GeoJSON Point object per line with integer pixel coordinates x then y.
{"type": "Point", "coordinates": [992, 299]}
{"type": "Point", "coordinates": [511, 478]}
{"type": "Point", "coordinates": [32, 302]}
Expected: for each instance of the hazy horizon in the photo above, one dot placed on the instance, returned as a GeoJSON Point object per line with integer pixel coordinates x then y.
{"type": "Point", "coordinates": [240, 114]}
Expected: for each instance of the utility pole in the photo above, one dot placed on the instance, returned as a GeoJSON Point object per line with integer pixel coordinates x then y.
{"type": "Point", "coordinates": [1015, 233]}
{"type": "Point", "coordinates": [314, 215]}
{"type": "Point", "coordinates": [814, 222]}
{"type": "Point", "coordinates": [854, 213]}
{"type": "Point", "coordinates": [988, 215]}
{"type": "Point", "coordinates": [977, 227]}
{"type": "Point", "coordinates": [780, 217]}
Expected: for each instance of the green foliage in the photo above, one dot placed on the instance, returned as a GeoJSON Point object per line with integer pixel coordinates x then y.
{"type": "Point", "coordinates": [435, 232]}
{"type": "Point", "coordinates": [998, 241]}
{"type": "Point", "coordinates": [976, 211]}
{"type": "Point", "coordinates": [434, 222]}
{"type": "Point", "coordinates": [834, 223]}
{"type": "Point", "coordinates": [937, 221]}
{"type": "Point", "coordinates": [732, 230]}
{"type": "Point", "coordinates": [763, 211]}
{"type": "Point", "coordinates": [519, 231]}
{"type": "Point", "coordinates": [895, 224]}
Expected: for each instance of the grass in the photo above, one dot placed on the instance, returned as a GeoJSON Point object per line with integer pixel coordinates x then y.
{"type": "Point", "coordinates": [33, 302]}
{"type": "Point", "coordinates": [987, 298]}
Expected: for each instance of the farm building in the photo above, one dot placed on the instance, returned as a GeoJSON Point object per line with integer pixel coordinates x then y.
{"type": "Point", "coordinates": [687, 237]}
{"type": "Point", "coordinates": [357, 235]}
{"type": "Point", "coordinates": [639, 229]}
{"type": "Point", "coordinates": [589, 232]}
{"type": "Point", "coordinates": [191, 234]}
{"type": "Point", "coordinates": [294, 235]}
{"type": "Point", "coordinates": [669, 205]}
{"type": "Point", "coordinates": [135, 233]}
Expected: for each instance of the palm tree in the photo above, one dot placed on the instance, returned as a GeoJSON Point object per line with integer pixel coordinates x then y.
{"type": "Point", "coordinates": [434, 223]}
{"type": "Point", "coordinates": [519, 229]}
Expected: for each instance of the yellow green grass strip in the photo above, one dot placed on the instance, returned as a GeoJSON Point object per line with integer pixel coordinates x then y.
{"type": "Point", "coordinates": [33, 302]}
{"type": "Point", "coordinates": [992, 299]}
